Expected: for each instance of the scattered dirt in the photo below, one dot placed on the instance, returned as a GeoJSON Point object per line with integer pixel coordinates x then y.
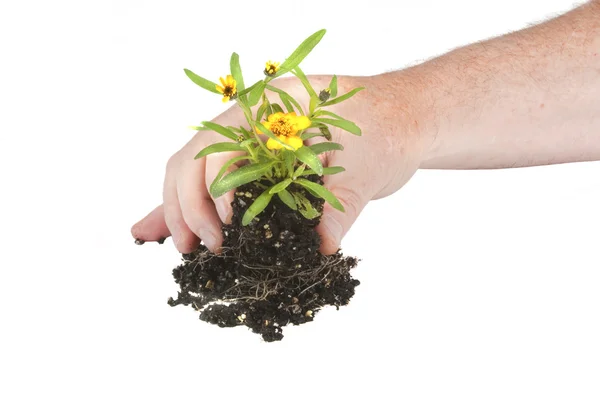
{"type": "Point", "coordinates": [269, 274]}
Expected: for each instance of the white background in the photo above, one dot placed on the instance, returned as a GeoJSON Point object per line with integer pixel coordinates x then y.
{"type": "Point", "coordinates": [474, 283]}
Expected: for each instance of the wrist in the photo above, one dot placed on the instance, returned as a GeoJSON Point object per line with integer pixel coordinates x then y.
{"type": "Point", "coordinates": [404, 105]}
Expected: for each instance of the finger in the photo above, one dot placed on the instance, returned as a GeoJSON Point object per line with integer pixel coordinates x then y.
{"type": "Point", "coordinates": [184, 239]}
{"type": "Point", "coordinates": [214, 163]}
{"type": "Point", "coordinates": [151, 228]}
{"type": "Point", "coordinates": [353, 188]}
{"type": "Point", "coordinates": [197, 206]}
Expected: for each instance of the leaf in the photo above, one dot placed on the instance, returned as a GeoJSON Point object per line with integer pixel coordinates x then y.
{"type": "Point", "coordinates": [305, 208]}
{"type": "Point", "coordinates": [289, 159]}
{"type": "Point", "coordinates": [269, 134]}
{"type": "Point", "coordinates": [276, 108]}
{"type": "Point", "coordinates": [261, 110]}
{"type": "Point", "coordinates": [301, 52]}
{"type": "Point", "coordinates": [320, 191]}
{"type": "Point", "coordinates": [256, 93]}
{"type": "Point", "coordinates": [341, 98]}
{"type": "Point", "coordinates": [325, 132]}
{"type": "Point", "coordinates": [326, 146]}
{"type": "Point", "coordinates": [227, 165]}
{"type": "Point", "coordinates": [199, 128]}
{"type": "Point", "coordinates": [326, 171]}
{"type": "Point", "coordinates": [202, 82]}
{"type": "Point", "coordinates": [280, 186]}
{"type": "Point", "coordinates": [283, 94]}
{"type": "Point", "coordinates": [224, 131]}
{"type": "Point", "coordinates": [248, 89]}
{"type": "Point", "coordinates": [241, 176]}
{"type": "Point", "coordinates": [287, 199]}
{"type": "Point", "coordinates": [333, 86]}
{"type": "Point", "coordinates": [304, 80]}
{"type": "Point", "coordinates": [286, 103]}
{"type": "Point", "coordinates": [300, 170]}
{"type": "Point", "coordinates": [256, 207]}
{"type": "Point", "coordinates": [308, 156]}
{"type": "Point", "coordinates": [219, 147]}
{"type": "Point", "coordinates": [341, 123]}
{"type": "Point", "coordinates": [236, 71]}
{"type": "Point", "coordinates": [306, 136]}
{"type": "Point", "coordinates": [323, 112]}
{"type": "Point", "coordinates": [313, 104]}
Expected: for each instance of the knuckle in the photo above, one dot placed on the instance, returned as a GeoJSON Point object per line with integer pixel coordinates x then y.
{"type": "Point", "coordinates": [351, 199]}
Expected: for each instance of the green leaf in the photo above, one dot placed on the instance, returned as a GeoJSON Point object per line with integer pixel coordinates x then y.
{"type": "Point", "coordinates": [305, 207]}
{"type": "Point", "coordinates": [308, 156]}
{"type": "Point", "coordinates": [241, 176]}
{"type": "Point", "coordinates": [320, 191]}
{"type": "Point", "coordinates": [219, 147]}
{"type": "Point", "coordinates": [256, 207]}
{"type": "Point", "coordinates": [276, 108]}
{"type": "Point", "coordinates": [289, 159]}
{"type": "Point", "coordinates": [304, 80]}
{"type": "Point", "coordinates": [342, 97]}
{"type": "Point", "coordinates": [341, 123]}
{"type": "Point", "coordinates": [280, 186]}
{"type": "Point", "coordinates": [261, 110]}
{"type": "Point", "coordinates": [202, 82]}
{"type": "Point", "coordinates": [287, 199]}
{"type": "Point", "coordinates": [236, 71]}
{"type": "Point", "coordinates": [306, 136]}
{"type": "Point", "coordinates": [199, 128]}
{"type": "Point", "coordinates": [269, 111]}
{"type": "Point", "coordinates": [326, 146]}
{"type": "Point", "coordinates": [333, 86]}
{"type": "Point", "coordinates": [228, 164]}
{"type": "Point", "coordinates": [248, 89]}
{"type": "Point", "coordinates": [285, 96]}
{"type": "Point", "coordinates": [256, 93]}
{"type": "Point", "coordinates": [301, 52]}
{"type": "Point", "coordinates": [299, 171]}
{"type": "Point", "coordinates": [269, 134]}
{"type": "Point", "coordinates": [323, 112]}
{"type": "Point", "coordinates": [224, 131]}
{"type": "Point", "coordinates": [326, 171]}
{"type": "Point", "coordinates": [313, 104]}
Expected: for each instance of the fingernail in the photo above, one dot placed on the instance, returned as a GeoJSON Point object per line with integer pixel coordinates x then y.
{"type": "Point", "coordinates": [333, 227]}
{"type": "Point", "coordinates": [224, 210]}
{"type": "Point", "coordinates": [209, 239]}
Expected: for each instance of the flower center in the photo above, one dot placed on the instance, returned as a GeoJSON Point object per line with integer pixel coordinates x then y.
{"type": "Point", "coordinates": [228, 91]}
{"type": "Point", "coordinates": [282, 127]}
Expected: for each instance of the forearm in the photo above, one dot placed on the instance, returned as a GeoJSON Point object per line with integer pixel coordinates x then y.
{"type": "Point", "coordinates": [528, 98]}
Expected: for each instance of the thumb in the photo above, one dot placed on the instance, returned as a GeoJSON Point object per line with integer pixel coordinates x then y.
{"type": "Point", "coordinates": [334, 223]}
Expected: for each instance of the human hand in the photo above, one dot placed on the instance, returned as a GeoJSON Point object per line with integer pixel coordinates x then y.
{"type": "Point", "coordinates": [377, 164]}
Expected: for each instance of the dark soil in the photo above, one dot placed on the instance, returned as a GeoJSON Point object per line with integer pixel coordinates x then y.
{"type": "Point", "coordinates": [269, 274]}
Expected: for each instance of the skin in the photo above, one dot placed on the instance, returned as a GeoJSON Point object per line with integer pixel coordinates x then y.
{"type": "Point", "coordinates": [528, 98]}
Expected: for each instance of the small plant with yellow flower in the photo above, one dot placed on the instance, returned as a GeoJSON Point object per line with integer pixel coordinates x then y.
{"type": "Point", "coordinates": [270, 272]}
{"type": "Point", "coordinates": [284, 159]}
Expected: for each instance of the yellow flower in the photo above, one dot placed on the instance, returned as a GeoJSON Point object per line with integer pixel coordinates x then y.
{"type": "Point", "coordinates": [228, 88]}
{"type": "Point", "coordinates": [286, 127]}
{"type": "Point", "coordinates": [271, 68]}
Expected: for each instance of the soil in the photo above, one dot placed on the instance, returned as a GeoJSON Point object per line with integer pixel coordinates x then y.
{"type": "Point", "coordinates": [269, 274]}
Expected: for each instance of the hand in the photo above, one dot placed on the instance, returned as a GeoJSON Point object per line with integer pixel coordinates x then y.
{"type": "Point", "coordinates": [377, 164]}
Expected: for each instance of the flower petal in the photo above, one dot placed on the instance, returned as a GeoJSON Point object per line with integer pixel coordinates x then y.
{"type": "Point", "coordinates": [294, 141]}
{"type": "Point", "coordinates": [222, 82]}
{"type": "Point", "coordinates": [225, 98]}
{"type": "Point", "coordinates": [273, 117]}
{"type": "Point", "coordinates": [219, 88]}
{"type": "Point", "coordinates": [301, 122]}
{"type": "Point", "coordinates": [272, 144]}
